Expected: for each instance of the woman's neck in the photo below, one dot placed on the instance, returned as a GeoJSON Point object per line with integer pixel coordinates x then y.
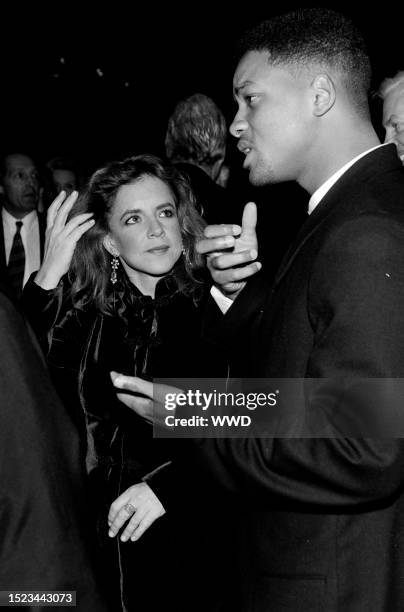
{"type": "Point", "coordinates": [144, 282]}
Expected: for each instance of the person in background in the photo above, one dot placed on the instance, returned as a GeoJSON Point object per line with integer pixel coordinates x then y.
{"type": "Point", "coordinates": [61, 175]}
{"type": "Point", "coordinates": [196, 142]}
{"type": "Point", "coordinates": [392, 93]}
{"type": "Point", "coordinates": [22, 229]}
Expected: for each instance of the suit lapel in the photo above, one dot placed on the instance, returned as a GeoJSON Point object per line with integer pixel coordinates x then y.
{"type": "Point", "coordinates": [378, 161]}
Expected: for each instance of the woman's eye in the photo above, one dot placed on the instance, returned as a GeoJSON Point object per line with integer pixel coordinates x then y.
{"type": "Point", "coordinates": [133, 219]}
{"type": "Point", "coordinates": [167, 212]}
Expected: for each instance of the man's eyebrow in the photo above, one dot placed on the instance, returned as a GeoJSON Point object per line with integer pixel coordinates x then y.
{"type": "Point", "coordinates": [239, 89]}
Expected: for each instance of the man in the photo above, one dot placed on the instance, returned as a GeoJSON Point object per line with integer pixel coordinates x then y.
{"type": "Point", "coordinates": [22, 231]}
{"type": "Point", "coordinates": [324, 525]}
{"type": "Point", "coordinates": [196, 142]}
{"type": "Point", "coordinates": [392, 93]}
{"type": "Point", "coordinates": [43, 544]}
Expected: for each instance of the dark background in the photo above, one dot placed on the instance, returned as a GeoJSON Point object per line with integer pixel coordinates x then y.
{"type": "Point", "coordinates": [98, 82]}
{"type": "Point", "coordinates": [101, 82]}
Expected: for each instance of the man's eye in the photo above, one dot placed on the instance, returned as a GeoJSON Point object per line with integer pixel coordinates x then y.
{"type": "Point", "coordinates": [251, 100]}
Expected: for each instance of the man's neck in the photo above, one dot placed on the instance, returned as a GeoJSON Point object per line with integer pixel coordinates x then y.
{"type": "Point", "coordinates": [335, 154]}
{"type": "Point", "coordinates": [17, 214]}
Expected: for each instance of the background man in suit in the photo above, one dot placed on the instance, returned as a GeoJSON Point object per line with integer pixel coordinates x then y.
{"type": "Point", "coordinates": [324, 524]}
{"type": "Point", "coordinates": [22, 231]}
{"type": "Point", "coordinates": [392, 93]}
{"type": "Point", "coordinates": [44, 543]}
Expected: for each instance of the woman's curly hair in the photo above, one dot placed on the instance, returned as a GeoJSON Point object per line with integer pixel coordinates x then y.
{"type": "Point", "coordinates": [90, 269]}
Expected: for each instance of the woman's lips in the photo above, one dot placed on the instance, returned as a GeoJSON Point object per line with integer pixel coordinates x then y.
{"type": "Point", "coordinates": [158, 250]}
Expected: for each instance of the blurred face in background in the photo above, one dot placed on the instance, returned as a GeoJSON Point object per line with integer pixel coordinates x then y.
{"type": "Point", "coordinates": [20, 185]}
{"type": "Point", "coordinates": [64, 180]}
{"type": "Point", "coordinates": [393, 117]}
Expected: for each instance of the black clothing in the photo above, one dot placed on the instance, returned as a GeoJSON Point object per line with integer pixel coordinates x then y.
{"type": "Point", "coordinates": [144, 337]}
{"type": "Point", "coordinates": [44, 540]}
{"type": "Point", "coordinates": [325, 527]}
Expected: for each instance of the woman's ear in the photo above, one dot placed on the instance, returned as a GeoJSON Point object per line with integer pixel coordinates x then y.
{"type": "Point", "coordinates": [110, 246]}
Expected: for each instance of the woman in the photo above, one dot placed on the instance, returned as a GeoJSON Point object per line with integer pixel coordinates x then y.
{"type": "Point", "coordinates": [129, 303]}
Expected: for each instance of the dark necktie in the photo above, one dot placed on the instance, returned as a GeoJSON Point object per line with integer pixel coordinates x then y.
{"type": "Point", "coordinates": [16, 262]}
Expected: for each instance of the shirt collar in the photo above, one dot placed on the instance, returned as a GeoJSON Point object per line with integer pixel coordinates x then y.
{"type": "Point", "coordinates": [27, 221]}
{"type": "Point", "coordinates": [325, 187]}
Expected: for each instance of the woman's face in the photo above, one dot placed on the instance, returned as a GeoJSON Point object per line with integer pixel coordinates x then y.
{"type": "Point", "coordinates": [144, 229]}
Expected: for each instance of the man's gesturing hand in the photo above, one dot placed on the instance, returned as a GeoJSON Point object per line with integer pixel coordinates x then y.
{"type": "Point", "coordinates": [231, 252]}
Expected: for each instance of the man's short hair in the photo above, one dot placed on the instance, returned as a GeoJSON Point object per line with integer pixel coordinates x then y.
{"type": "Point", "coordinates": [391, 83]}
{"type": "Point", "coordinates": [196, 131]}
{"type": "Point", "coordinates": [315, 36]}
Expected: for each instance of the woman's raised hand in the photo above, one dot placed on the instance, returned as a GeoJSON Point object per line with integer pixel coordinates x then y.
{"type": "Point", "coordinates": [61, 239]}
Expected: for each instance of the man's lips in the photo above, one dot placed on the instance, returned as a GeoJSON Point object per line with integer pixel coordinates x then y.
{"type": "Point", "coordinates": [244, 147]}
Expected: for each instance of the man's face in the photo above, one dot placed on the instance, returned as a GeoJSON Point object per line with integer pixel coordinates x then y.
{"type": "Point", "coordinates": [20, 185]}
{"type": "Point", "coordinates": [273, 122]}
{"type": "Point", "coordinates": [393, 117]}
{"type": "Point", "coordinates": [64, 180]}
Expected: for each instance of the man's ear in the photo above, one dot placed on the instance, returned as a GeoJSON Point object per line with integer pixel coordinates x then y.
{"type": "Point", "coordinates": [324, 94]}
{"type": "Point", "coordinates": [110, 246]}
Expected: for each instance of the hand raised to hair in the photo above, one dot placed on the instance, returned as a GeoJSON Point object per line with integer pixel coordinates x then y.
{"type": "Point", "coordinates": [231, 252]}
{"type": "Point", "coordinates": [61, 239]}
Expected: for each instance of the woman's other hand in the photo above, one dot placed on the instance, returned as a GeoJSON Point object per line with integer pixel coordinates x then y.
{"type": "Point", "coordinates": [139, 506]}
{"type": "Point", "coordinates": [61, 239]}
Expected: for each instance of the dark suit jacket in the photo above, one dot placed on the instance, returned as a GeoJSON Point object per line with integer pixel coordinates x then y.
{"type": "Point", "coordinates": [3, 265]}
{"type": "Point", "coordinates": [43, 541]}
{"type": "Point", "coordinates": [324, 525]}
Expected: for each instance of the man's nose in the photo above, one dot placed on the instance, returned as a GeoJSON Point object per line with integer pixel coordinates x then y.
{"type": "Point", "coordinates": [238, 126]}
{"type": "Point", "coordinates": [32, 181]}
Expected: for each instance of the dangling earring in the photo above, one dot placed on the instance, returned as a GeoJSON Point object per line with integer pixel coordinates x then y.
{"type": "Point", "coordinates": [114, 266]}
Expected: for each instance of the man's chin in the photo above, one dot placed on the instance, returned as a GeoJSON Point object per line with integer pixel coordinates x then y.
{"type": "Point", "coordinates": [29, 203]}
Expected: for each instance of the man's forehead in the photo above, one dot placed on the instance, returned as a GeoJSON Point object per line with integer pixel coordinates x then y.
{"type": "Point", "coordinates": [19, 162]}
{"type": "Point", "coordinates": [251, 66]}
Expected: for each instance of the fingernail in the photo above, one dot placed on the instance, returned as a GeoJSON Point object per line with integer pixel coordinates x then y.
{"type": "Point", "coordinates": [111, 533]}
{"type": "Point", "coordinates": [236, 229]}
{"type": "Point", "coordinates": [253, 253]}
{"type": "Point", "coordinates": [259, 265]}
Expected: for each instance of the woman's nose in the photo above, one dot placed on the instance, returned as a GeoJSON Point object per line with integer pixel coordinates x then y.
{"type": "Point", "coordinates": [156, 228]}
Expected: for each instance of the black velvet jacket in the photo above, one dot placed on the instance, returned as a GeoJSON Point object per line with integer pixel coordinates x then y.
{"type": "Point", "coordinates": [145, 337]}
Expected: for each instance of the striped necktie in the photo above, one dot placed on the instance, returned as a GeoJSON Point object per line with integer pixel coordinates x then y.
{"type": "Point", "coordinates": [16, 262]}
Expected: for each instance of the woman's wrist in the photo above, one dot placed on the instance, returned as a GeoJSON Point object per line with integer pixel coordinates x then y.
{"type": "Point", "coordinates": [46, 280]}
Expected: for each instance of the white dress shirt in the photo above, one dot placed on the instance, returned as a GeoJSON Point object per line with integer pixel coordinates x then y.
{"type": "Point", "coordinates": [30, 239]}
{"type": "Point", "coordinates": [223, 301]}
